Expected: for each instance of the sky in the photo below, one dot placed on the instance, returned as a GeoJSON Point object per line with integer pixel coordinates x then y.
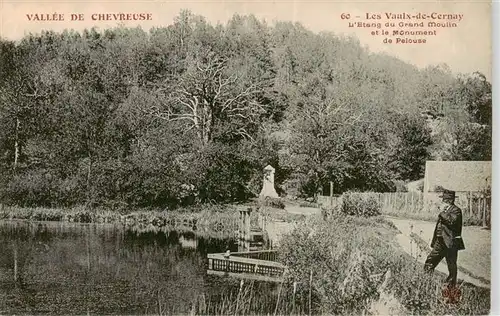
{"type": "Point", "coordinates": [465, 48]}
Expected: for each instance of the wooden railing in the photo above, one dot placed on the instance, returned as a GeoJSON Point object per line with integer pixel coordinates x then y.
{"type": "Point", "coordinates": [268, 255]}
{"type": "Point", "coordinates": [242, 265]}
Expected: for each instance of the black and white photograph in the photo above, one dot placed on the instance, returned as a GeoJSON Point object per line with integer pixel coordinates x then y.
{"type": "Point", "coordinates": [245, 157]}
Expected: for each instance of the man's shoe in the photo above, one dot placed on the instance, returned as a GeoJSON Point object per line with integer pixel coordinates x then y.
{"type": "Point", "coordinates": [451, 293]}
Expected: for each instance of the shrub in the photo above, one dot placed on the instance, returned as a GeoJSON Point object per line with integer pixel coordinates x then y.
{"type": "Point", "coordinates": [274, 202]}
{"type": "Point", "coordinates": [32, 188]}
{"type": "Point", "coordinates": [308, 204]}
{"type": "Point", "coordinates": [341, 261]}
{"type": "Point", "coordinates": [360, 204]}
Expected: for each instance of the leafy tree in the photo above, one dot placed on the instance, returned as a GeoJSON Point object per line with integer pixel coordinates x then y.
{"type": "Point", "coordinates": [412, 139]}
{"type": "Point", "coordinates": [474, 92]}
{"type": "Point", "coordinates": [192, 112]}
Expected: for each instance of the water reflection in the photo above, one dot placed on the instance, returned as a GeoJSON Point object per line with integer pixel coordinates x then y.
{"type": "Point", "coordinates": [72, 268]}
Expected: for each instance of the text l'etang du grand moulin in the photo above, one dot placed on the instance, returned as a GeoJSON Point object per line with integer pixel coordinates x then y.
{"type": "Point", "coordinates": [404, 27]}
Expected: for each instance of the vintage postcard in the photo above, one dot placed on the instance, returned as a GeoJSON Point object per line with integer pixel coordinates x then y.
{"type": "Point", "coordinates": [245, 157]}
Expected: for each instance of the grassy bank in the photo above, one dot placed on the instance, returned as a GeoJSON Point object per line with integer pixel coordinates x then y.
{"type": "Point", "coordinates": [218, 219]}
{"type": "Point", "coordinates": [342, 260]}
{"type": "Point", "coordinates": [212, 220]}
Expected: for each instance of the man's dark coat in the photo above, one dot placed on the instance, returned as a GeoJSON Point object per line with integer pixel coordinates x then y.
{"type": "Point", "coordinates": [451, 228]}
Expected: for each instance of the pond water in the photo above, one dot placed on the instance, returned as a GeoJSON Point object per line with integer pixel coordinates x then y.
{"type": "Point", "coordinates": [73, 268]}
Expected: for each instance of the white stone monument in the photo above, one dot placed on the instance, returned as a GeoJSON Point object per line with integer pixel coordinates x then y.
{"type": "Point", "coordinates": [268, 186]}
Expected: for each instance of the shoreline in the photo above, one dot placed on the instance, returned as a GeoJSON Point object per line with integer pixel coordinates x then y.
{"type": "Point", "coordinates": [220, 219]}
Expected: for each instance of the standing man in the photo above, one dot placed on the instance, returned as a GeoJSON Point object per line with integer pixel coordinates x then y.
{"type": "Point", "coordinates": [447, 239]}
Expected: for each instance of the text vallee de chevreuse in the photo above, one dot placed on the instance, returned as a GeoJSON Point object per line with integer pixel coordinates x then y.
{"type": "Point", "coordinates": [94, 16]}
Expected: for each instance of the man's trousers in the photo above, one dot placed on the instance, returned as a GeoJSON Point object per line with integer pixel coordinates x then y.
{"type": "Point", "coordinates": [439, 252]}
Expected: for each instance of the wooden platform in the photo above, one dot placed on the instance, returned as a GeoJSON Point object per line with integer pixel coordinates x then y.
{"type": "Point", "coordinates": [253, 265]}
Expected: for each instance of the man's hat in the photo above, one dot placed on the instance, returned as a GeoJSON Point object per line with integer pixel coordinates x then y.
{"type": "Point", "coordinates": [447, 194]}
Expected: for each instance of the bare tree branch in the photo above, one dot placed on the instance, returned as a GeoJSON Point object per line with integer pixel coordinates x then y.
{"type": "Point", "coordinates": [206, 93]}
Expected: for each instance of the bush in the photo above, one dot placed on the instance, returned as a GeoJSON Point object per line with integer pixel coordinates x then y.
{"type": "Point", "coordinates": [274, 202]}
{"type": "Point", "coordinates": [308, 204]}
{"type": "Point", "coordinates": [146, 178]}
{"type": "Point", "coordinates": [341, 261]}
{"type": "Point", "coordinates": [360, 204]}
{"type": "Point", "coordinates": [32, 188]}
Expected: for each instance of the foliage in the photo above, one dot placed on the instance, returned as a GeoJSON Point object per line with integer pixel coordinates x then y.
{"type": "Point", "coordinates": [308, 204]}
{"type": "Point", "coordinates": [342, 259]}
{"type": "Point", "coordinates": [273, 202]}
{"type": "Point", "coordinates": [360, 204]}
{"type": "Point", "coordinates": [412, 139]}
{"type": "Point", "coordinates": [465, 131]}
{"type": "Point", "coordinates": [345, 253]}
{"type": "Point", "coordinates": [215, 220]}
{"type": "Point", "coordinates": [192, 113]}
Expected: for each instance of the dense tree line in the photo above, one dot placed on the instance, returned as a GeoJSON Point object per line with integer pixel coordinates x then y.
{"type": "Point", "coordinates": [193, 112]}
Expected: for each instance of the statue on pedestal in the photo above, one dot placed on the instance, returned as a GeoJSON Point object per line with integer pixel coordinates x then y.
{"type": "Point", "coordinates": [268, 186]}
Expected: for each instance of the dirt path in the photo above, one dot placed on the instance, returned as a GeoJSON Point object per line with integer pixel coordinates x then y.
{"type": "Point", "coordinates": [474, 261]}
